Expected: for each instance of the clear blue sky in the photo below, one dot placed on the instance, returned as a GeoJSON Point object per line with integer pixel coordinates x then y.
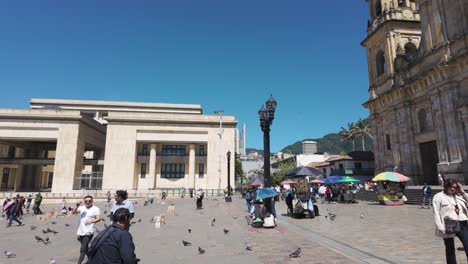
{"type": "Point", "coordinates": [221, 54]}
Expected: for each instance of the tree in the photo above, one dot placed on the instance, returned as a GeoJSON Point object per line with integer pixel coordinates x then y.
{"type": "Point", "coordinates": [238, 171]}
{"type": "Point", "coordinates": [362, 129]}
{"type": "Point", "coordinates": [348, 134]}
{"type": "Point", "coordinates": [279, 174]}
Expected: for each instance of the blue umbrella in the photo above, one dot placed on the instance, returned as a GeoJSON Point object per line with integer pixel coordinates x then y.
{"type": "Point", "coordinates": [265, 193]}
{"type": "Point", "coordinates": [332, 179]}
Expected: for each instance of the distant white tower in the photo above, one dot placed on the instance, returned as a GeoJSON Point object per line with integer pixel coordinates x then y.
{"type": "Point", "coordinates": [243, 144]}
{"type": "Point", "coordinates": [236, 138]}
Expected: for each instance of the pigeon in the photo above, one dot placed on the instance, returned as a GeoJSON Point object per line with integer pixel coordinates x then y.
{"type": "Point", "coordinates": [249, 248]}
{"type": "Point", "coordinates": [326, 216]}
{"type": "Point", "coordinates": [33, 227]}
{"type": "Point", "coordinates": [226, 231]}
{"type": "Point", "coordinates": [362, 216]}
{"type": "Point", "coordinates": [105, 212]}
{"type": "Point", "coordinates": [39, 239]}
{"type": "Point", "coordinates": [332, 216]}
{"type": "Point", "coordinates": [186, 243]}
{"type": "Point", "coordinates": [296, 253]}
{"type": "Point", "coordinates": [53, 222]}
{"type": "Point", "coordinates": [51, 231]}
{"type": "Point", "coordinates": [44, 231]}
{"type": "Point", "coordinates": [190, 230]}
{"type": "Point", "coordinates": [47, 240]}
{"type": "Point", "coordinates": [201, 250]}
{"type": "Point", "coordinates": [52, 261]}
{"type": "Point", "coordinates": [67, 225]}
{"type": "Point", "coordinates": [213, 221]}
{"type": "Point", "coordinates": [139, 220]}
{"type": "Point", "coordinates": [133, 222]}
{"type": "Point", "coordinates": [9, 254]}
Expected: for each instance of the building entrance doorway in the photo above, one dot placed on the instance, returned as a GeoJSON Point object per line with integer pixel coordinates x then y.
{"type": "Point", "coordinates": [429, 158]}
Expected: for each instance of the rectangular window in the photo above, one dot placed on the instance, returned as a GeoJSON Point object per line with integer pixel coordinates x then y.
{"type": "Point", "coordinates": [173, 150]}
{"type": "Point", "coordinates": [5, 178]}
{"type": "Point", "coordinates": [172, 170]}
{"type": "Point", "coordinates": [387, 139]}
{"type": "Point", "coordinates": [11, 152]}
{"type": "Point", "coordinates": [201, 150]}
{"type": "Point", "coordinates": [341, 165]}
{"type": "Point", "coordinates": [145, 150]}
{"type": "Point", "coordinates": [143, 171]}
{"type": "Point", "coordinates": [201, 170]}
{"type": "Point", "coordinates": [50, 179]}
{"type": "Point", "coordinates": [358, 165]}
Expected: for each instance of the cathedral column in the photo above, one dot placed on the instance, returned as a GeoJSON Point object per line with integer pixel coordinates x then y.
{"type": "Point", "coordinates": [152, 167]}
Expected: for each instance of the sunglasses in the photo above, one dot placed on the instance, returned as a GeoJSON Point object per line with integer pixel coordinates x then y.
{"type": "Point", "coordinates": [457, 210]}
{"type": "Point", "coordinates": [88, 201]}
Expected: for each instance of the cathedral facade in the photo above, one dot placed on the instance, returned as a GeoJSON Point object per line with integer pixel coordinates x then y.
{"type": "Point", "coordinates": [418, 87]}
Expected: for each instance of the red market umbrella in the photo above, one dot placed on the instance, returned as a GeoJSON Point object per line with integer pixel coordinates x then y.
{"type": "Point", "coordinates": [288, 182]}
{"type": "Point", "coordinates": [316, 181]}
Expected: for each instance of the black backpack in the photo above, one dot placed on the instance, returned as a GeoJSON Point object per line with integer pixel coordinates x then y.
{"type": "Point", "coordinates": [98, 240]}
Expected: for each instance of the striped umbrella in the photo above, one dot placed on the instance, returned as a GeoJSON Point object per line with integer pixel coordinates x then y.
{"type": "Point", "coordinates": [391, 176]}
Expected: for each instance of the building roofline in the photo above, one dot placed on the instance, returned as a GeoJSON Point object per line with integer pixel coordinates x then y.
{"type": "Point", "coordinates": [100, 103]}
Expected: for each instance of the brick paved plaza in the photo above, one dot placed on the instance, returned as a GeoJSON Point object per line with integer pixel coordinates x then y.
{"type": "Point", "coordinates": [402, 234]}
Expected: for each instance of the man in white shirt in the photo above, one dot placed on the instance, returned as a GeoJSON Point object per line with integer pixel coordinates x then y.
{"type": "Point", "coordinates": [89, 215]}
{"type": "Point", "coordinates": [121, 201]}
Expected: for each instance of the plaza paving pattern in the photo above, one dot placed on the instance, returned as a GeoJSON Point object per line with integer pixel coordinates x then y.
{"type": "Point", "coordinates": [402, 234]}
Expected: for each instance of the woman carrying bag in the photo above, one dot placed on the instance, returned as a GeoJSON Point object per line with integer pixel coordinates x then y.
{"type": "Point", "coordinates": [451, 215]}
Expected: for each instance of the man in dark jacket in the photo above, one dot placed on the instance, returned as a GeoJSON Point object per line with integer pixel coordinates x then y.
{"type": "Point", "coordinates": [37, 204]}
{"type": "Point", "coordinates": [13, 212]}
{"type": "Point", "coordinates": [114, 244]}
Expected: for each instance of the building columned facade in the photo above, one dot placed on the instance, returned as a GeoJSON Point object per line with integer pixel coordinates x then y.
{"type": "Point", "coordinates": [69, 145]}
{"type": "Point", "coordinates": [418, 93]}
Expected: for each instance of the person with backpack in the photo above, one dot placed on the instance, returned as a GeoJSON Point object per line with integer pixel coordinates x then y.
{"type": "Point", "coordinates": [114, 244]}
{"type": "Point", "coordinates": [13, 211]}
{"type": "Point", "coordinates": [427, 193]}
{"type": "Point", "coordinates": [248, 199]}
{"type": "Point", "coordinates": [37, 204]}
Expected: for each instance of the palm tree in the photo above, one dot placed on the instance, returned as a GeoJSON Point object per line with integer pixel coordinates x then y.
{"type": "Point", "coordinates": [348, 134]}
{"type": "Point", "coordinates": [362, 129]}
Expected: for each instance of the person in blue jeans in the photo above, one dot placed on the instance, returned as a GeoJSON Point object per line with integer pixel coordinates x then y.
{"type": "Point", "coordinates": [13, 212]}
{"type": "Point", "coordinates": [248, 199]}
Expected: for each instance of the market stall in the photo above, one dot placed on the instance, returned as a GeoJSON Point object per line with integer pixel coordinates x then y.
{"type": "Point", "coordinates": [391, 188]}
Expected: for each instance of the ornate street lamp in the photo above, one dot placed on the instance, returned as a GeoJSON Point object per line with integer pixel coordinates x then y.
{"type": "Point", "coordinates": [228, 156]}
{"type": "Point", "coordinates": [266, 115]}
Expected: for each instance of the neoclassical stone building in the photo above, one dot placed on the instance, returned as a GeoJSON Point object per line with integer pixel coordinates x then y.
{"type": "Point", "coordinates": [65, 146]}
{"type": "Point", "coordinates": [418, 75]}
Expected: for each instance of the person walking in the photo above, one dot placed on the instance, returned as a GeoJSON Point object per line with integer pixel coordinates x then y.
{"type": "Point", "coordinates": [37, 204]}
{"type": "Point", "coordinates": [13, 211]}
{"type": "Point", "coordinates": [115, 243]}
{"type": "Point", "coordinates": [248, 199]}
{"type": "Point", "coordinates": [200, 195]}
{"type": "Point", "coordinates": [121, 201]}
{"type": "Point", "coordinates": [28, 203]}
{"type": "Point", "coordinates": [427, 193]}
{"type": "Point", "coordinates": [89, 215]}
{"type": "Point", "coordinates": [108, 195]}
{"type": "Point", "coordinates": [450, 216]}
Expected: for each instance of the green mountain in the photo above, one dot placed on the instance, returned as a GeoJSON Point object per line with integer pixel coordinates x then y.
{"type": "Point", "coordinates": [332, 144]}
